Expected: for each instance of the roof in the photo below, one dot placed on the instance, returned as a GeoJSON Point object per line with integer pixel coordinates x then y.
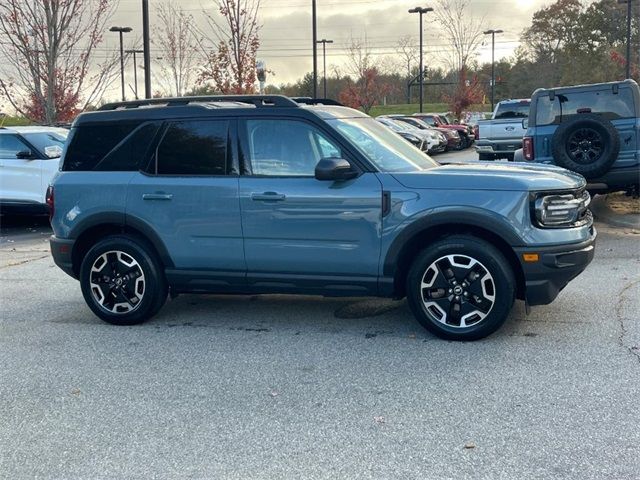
{"type": "Point", "coordinates": [32, 129]}
{"type": "Point", "coordinates": [213, 106]}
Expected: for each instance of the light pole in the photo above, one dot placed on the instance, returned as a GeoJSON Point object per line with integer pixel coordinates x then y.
{"type": "Point", "coordinates": [324, 64]}
{"type": "Point", "coordinates": [146, 48]}
{"type": "Point", "coordinates": [135, 70]}
{"type": "Point", "coordinates": [421, 11]}
{"type": "Point", "coordinates": [121, 30]}
{"type": "Point", "coordinates": [628, 69]}
{"type": "Point", "coordinates": [493, 63]}
{"type": "Point", "coordinates": [315, 48]}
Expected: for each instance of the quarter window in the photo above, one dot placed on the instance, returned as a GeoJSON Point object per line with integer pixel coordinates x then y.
{"type": "Point", "coordinates": [194, 148]}
{"type": "Point", "coordinates": [287, 147]}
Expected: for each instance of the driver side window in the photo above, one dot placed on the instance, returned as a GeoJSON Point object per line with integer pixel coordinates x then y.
{"type": "Point", "coordinates": [10, 145]}
{"type": "Point", "coordinates": [288, 148]}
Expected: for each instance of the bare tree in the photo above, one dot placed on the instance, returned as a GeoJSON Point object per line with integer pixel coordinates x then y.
{"type": "Point", "coordinates": [48, 46]}
{"type": "Point", "coordinates": [359, 59]}
{"type": "Point", "coordinates": [230, 46]}
{"type": "Point", "coordinates": [408, 52]}
{"type": "Point", "coordinates": [178, 43]}
{"type": "Point", "coordinates": [463, 31]}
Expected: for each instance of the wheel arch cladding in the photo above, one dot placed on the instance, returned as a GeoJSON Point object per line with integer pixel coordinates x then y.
{"type": "Point", "coordinates": [95, 233]}
{"type": "Point", "coordinates": [404, 250]}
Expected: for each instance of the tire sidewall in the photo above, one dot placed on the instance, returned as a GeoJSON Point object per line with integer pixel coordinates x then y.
{"type": "Point", "coordinates": [486, 254]}
{"type": "Point", "coordinates": [610, 139]}
{"type": "Point", "coordinates": [150, 268]}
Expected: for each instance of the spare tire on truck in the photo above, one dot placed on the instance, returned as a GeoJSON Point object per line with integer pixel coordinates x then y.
{"type": "Point", "coordinates": [587, 144]}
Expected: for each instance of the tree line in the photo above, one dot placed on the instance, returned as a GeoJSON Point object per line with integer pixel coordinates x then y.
{"type": "Point", "coordinates": [51, 71]}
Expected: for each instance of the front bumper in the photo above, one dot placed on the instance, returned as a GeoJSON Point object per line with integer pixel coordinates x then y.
{"type": "Point", "coordinates": [556, 267]}
{"type": "Point", "coordinates": [61, 250]}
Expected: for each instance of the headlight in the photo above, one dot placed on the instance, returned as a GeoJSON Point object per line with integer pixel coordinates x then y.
{"type": "Point", "coordinates": [564, 210]}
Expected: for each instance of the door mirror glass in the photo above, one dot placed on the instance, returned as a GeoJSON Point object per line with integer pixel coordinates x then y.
{"type": "Point", "coordinates": [334, 169]}
{"type": "Point", "coordinates": [25, 155]}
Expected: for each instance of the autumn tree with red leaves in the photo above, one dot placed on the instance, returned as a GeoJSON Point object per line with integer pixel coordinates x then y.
{"type": "Point", "coordinates": [230, 46]}
{"type": "Point", "coordinates": [467, 93]}
{"type": "Point", "coordinates": [47, 48]}
{"type": "Point", "coordinates": [368, 89]}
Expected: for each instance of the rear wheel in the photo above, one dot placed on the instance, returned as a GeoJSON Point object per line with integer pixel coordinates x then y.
{"type": "Point", "coordinates": [122, 281]}
{"type": "Point", "coordinates": [461, 288]}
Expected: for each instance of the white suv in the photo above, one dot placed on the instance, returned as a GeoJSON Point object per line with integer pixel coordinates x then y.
{"type": "Point", "coordinates": [29, 158]}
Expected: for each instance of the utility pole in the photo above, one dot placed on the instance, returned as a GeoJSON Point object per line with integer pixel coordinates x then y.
{"type": "Point", "coordinates": [324, 64]}
{"type": "Point", "coordinates": [146, 48]}
{"type": "Point", "coordinates": [135, 70]}
{"type": "Point", "coordinates": [120, 31]}
{"type": "Point", "coordinates": [315, 48]}
{"type": "Point", "coordinates": [628, 66]}
{"type": "Point", "coordinates": [421, 11]}
{"type": "Point", "coordinates": [493, 64]}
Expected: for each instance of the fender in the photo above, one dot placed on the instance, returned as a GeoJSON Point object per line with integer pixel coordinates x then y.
{"type": "Point", "coordinates": [456, 216]}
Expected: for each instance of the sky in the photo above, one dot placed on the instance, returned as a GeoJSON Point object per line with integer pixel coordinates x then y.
{"type": "Point", "coordinates": [286, 30]}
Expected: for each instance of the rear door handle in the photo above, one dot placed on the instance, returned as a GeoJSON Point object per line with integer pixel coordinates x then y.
{"type": "Point", "coordinates": [268, 197]}
{"type": "Point", "coordinates": [157, 196]}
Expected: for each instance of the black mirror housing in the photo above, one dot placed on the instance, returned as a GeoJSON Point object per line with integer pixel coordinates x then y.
{"type": "Point", "coordinates": [334, 169]}
{"type": "Point", "coordinates": [25, 155]}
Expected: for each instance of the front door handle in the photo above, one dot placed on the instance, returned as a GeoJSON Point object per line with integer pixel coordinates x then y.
{"type": "Point", "coordinates": [157, 196]}
{"type": "Point", "coordinates": [268, 197]}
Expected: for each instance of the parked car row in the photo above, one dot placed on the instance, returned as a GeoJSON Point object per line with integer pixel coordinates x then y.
{"type": "Point", "coordinates": [439, 134]}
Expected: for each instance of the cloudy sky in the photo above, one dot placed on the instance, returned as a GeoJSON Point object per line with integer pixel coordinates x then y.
{"type": "Point", "coordinates": [286, 29]}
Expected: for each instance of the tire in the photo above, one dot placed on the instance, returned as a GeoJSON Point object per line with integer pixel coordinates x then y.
{"type": "Point", "coordinates": [138, 277]}
{"type": "Point", "coordinates": [587, 144]}
{"type": "Point", "coordinates": [479, 270]}
{"type": "Point", "coordinates": [485, 157]}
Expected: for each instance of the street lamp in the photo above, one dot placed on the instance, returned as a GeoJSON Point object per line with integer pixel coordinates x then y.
{"type": "Point", "coordinates": [628, 70]}
{"type": "Point", "coordinates": [324, 63]}
{"type": "Point", "coordinates": [121, 30]}
{"type": "Point", "coordinates": [421, 11]}
{"type": "Point", "coordinates": [314, 29]}
{"type": "Point", "coordinates": [135, 70]}
{"type": "Point", "coordinates": [493, 63]}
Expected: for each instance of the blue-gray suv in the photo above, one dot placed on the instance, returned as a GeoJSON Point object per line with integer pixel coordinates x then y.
{"type": "Point", "coordinates": [264, 194]}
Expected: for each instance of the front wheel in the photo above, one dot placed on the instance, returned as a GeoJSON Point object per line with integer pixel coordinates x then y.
{"type": "Point", "coordinates": [122, 281]}
{"type": "Point", "coordinates": [461, 288]}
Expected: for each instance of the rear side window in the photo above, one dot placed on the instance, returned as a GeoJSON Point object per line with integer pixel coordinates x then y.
{"type": "Point", "coordinates": [91, 144]}
{"type": "Point", "coordinates": [602, 102]}
{"type": "Point", "coordinates": [196, 147]}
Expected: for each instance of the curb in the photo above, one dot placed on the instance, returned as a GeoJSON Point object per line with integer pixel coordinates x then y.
{"type": "Point", "coordinates": [603, 213]}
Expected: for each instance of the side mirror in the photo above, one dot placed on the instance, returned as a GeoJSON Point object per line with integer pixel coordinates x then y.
{"type": "Point", "coordinates": [25, 155]}
{"type": "Point", "coordinates": [525, 123]}
{"type": "Point", "coordinates": [335, 169]}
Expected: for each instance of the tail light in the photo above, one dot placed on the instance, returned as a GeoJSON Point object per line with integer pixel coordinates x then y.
{"type": "Point", "coordinates": [527, 148]}
{"type": "Point", "coordinates": [50, 201]}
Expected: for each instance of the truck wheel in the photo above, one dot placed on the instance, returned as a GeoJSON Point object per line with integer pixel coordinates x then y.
{"type": "Point", "coordinates": [461, 288]}
{"type": "Point", "coordinates": [485, 157]}
{"type": "Point", "coordinates": [587, 144]}
{"type": "Point", "coordinates": [122, 281]}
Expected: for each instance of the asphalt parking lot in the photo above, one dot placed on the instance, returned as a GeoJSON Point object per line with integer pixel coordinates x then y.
{"type": "Point", "coordinates": [309, 387]}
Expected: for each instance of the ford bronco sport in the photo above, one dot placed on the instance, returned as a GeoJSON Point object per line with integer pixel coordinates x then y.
{"type": "Point", "coordinates": [261, 194]}
{"type": "Point", "coordinates": [593, 130]}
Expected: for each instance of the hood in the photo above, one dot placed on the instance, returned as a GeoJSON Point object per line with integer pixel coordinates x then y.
{"type": "Point", "coordinates": [490, 176]}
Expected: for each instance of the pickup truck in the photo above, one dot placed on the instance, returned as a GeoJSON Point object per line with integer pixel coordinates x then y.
{"type": "Point", "coordinates": [501, 136]}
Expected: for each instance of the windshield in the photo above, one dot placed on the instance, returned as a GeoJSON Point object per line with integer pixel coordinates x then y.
{"type": "Point", "coordinates": [386, 150]}
{"type": "Point", "coordinates": [50, 143]}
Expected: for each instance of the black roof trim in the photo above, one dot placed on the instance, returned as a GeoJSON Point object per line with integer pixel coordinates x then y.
{"type": "Point", "coordinates": [317, 101]}
{"type": "Point", "coordinates": [256, 100]}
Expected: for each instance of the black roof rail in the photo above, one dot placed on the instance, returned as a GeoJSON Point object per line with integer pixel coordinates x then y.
{"type": "Point", "coordinates": [316, 101]}
{"type": "Point", "coordinates": [256, 100]}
